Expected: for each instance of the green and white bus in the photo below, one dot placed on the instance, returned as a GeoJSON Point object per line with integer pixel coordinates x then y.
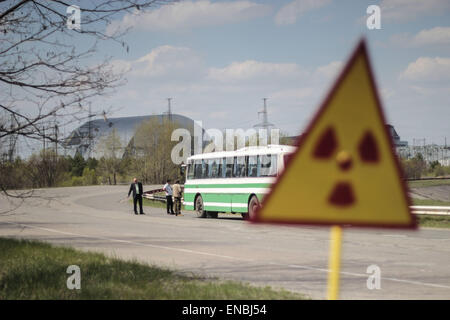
{"type": "Point", "coordinates": [232, 181]}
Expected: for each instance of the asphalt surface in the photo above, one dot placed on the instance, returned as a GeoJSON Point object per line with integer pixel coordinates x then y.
{"type": "Point", "coordinates": [440, 193]}
{"type": "Point", "coordinates": [413, 264]}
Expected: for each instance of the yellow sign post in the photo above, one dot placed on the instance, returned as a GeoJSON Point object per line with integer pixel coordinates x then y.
{"type": "Point", "coordinates": [334, 265]}
{"type": "Point", "coordinates": [344, 171]}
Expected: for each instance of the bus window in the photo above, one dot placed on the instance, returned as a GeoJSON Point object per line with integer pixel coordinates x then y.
{"type": "Point", "coordinates": [210, 168]}
{"type": "Point", "coordinates": [204, 169]}
{"type": "Point", "coordinates": [240, 168]}
{"type": "Point", "coordinates": [219, 168]}
{"type": "Point", "coordinates": [197, 169]}
{"type": "Point", "coordinates": [190, 170]}
{"type": "Point", "coordinates": [215, 169]}
{"type": "Point", "coordinates": [229, 167]}
{"type": "Point", "coordinates": [268, 164]}
{"type": "Point", "coordinates": [252, 166]}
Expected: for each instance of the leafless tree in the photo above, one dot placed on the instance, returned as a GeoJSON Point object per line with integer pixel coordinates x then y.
{"type": "Point", "coordinates": [50, 72]}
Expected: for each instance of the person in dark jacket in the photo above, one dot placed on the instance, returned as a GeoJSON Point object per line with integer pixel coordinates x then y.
{"type": "Point", "coordinates": [136, 188]}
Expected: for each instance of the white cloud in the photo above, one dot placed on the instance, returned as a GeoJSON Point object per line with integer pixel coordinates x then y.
{"type": "Point", "coordinates": [120, 66]}
{"type": "Point", "coordinates": [428, 37]}
{"type": "Point", "coordinates": [191, 14]}
{"type": "Point", "coordinates": [426, 69]}
{"type": "Point", "coordinates": [328, 71]}
{"type": "Point", "coordinates": [435, 36]}
{"type": "Point", "coordinates": [404, 10]}
{"type": "Point", "coordinates": [216, 94]}
{"type": "Point", "coordinates": [256, 71]}
{"type": "Point", "coordinates": [165, 61]}
{"type": "Point", "coordinates": [289, 13]}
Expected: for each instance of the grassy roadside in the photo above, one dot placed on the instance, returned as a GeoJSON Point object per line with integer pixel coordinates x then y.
{"type": "Point", "coordinates": [36, 270]}
{"type": "Point", "coordinates": [429, 220]}
{"type": "Point", "coordinates": [430, 202]}
{"type": "Point", "coordinates": [434, 221]}
{"type": "Point", "coordinates": [428, 183]}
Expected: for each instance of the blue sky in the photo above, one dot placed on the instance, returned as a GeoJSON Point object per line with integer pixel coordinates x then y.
{"type": "Point", "coordinates": [218, 59]}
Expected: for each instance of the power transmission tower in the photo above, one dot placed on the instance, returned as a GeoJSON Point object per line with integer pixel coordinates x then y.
{"type": "Point", "coordinates": [265, 124]}
{"type": "Point", "coordinates": [169, 109]}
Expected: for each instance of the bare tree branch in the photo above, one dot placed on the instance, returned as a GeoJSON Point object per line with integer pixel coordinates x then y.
{"type": "Point", "coordinates": [48, 71]}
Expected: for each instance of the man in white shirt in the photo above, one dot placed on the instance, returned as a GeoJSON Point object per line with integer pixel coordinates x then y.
{"type": "Point", "coordinates": [168, 189]}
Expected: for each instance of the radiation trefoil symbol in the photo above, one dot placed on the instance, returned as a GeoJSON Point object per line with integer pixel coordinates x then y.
{"type": "Point", "coordinates": [344, 170]}
{"type": "Point", "coordinates": [327, 147]}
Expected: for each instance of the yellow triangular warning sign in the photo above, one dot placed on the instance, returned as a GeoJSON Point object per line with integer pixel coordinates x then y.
{"type": "Point", "coordinates": [344, 170]}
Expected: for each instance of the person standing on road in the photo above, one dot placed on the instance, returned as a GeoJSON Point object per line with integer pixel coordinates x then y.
{"type": "Point", "coordinates": [136, 188]}
{"type": "Point", "coordinates": [168, 189]}
{"type": "Point", "coordinates": [176, 189]}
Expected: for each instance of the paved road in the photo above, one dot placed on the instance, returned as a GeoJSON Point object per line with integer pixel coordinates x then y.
{"type": "Point", "coordinates": [440, 193]}
{"type": "Point", "coordinates": [414, 265]}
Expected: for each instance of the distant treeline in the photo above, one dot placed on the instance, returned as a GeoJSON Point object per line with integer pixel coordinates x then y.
{"type": "Point", "coordinates": [417, 168]}
{"type": "Point", "coordinates": [149, 160]}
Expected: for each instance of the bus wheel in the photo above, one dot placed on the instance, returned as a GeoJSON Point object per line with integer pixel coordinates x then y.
{"type": "Point", "coordinates": [212, 214]}
{"type": "Point", "coordinates": [253, 205]}
{"type": "Point", "coordinates": [201, 213]}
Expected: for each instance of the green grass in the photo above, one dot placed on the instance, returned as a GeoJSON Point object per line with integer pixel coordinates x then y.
{"type": "Point", "coordinates": [428, 183]}
{"type": "Point", "coordinates": [429, 202]}
{"type": "Point", "coordinates": [36, 270]}
{"type": "Point", "coordinates": [433, 221]}
{"type": "Point", "coordinates": [430, 220]}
